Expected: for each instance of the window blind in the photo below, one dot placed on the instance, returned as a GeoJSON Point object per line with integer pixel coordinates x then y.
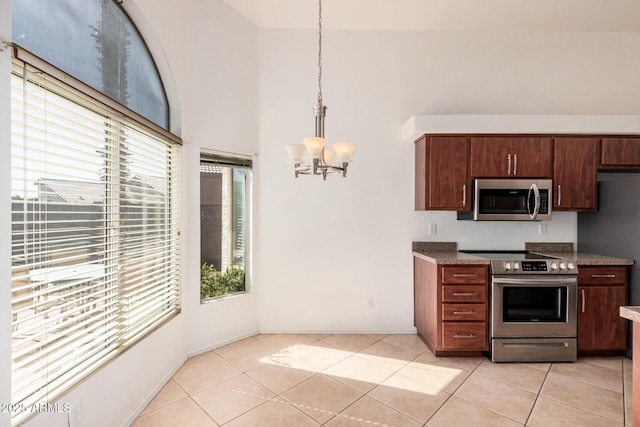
{"type": "Point", "coordinates": [95, 242]}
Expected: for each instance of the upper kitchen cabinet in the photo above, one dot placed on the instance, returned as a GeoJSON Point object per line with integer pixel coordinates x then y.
{"type": "Point", "coordinates": [442, 173]}
{"type": "Point", "coordinates": [512, 156]}
{"type": "Point", "coordinates": [575, 174]}
{"type": "Point", "coordinates": [620, 153]}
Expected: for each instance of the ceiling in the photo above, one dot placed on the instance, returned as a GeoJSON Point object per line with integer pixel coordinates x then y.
{"type": "Point", "coordinates": [446, 15]}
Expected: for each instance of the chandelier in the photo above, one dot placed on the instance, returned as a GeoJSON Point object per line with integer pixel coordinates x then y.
{"type": "Point", "coordinates": [312, 157]}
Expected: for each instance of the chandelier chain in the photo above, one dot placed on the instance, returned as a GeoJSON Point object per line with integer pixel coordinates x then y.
{"type": "Point", "coordinates": [320, 51]}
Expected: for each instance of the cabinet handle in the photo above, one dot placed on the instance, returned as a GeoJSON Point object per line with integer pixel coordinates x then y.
{"type": "Point", "coordinates": [559, 194]}
{"type": "Point", "coordinates": [509, 164]}
{"type": "Point", "coordinates": [464, 294]}
{"type": "Point", "coordinates": [583, 300]}
{"type": "Point", "coordinates": [465, 275]}
{"type": "Point", "coordinates": [464, 312]}
{"type": "Point", "coordinates": [464, 195]}
{"type": "Point", "coordinates": [603, 276]}
{"type": "Point", "coordinates": [465, 336]}
{"type": "Point", "coordinates": [515, 164]}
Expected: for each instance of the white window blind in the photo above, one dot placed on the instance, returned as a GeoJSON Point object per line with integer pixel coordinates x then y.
{"type": "Point", "coordinates": [95, 242]}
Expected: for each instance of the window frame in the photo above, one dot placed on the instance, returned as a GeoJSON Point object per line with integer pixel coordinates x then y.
{"type": "Point", "coordinates": [91, 100]}
{"type": "Point", "coordinates": [234, 161]}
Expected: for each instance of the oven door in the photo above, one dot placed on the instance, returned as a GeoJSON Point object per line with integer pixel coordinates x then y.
{"type": "Point", "coordinates": [533, 307]}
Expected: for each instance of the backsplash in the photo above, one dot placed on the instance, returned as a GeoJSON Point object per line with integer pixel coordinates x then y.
{"type": "Point", "coordinates": [548, 247]}
{"type": "Point", "coordinates": [434, 246]}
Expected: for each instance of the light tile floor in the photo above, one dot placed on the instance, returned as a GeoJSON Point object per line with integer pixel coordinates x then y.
{"type": "Point", "coordinates": [303, 380]}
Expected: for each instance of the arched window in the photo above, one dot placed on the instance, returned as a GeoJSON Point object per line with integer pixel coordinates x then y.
{"type": "Point", "coordinates": [95, 42]}
{"type": "Point", "coordinates": [95, 184]}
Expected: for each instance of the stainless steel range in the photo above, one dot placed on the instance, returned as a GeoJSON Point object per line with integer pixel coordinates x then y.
{"type": "Point", "coordinates": [533, 308]}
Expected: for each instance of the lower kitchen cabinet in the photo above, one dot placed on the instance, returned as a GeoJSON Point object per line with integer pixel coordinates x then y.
{"type": "Point", "coordinates": [451, 307]}
{"type": "Point", "coordinates": [601, 292]}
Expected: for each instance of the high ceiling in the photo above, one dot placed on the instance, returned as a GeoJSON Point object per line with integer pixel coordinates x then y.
{"type": "Point", "coordinates": [454, 15]}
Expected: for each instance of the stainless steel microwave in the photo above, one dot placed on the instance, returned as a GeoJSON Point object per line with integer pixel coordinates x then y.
{"type": "Point", "coordinates": [510, 200]}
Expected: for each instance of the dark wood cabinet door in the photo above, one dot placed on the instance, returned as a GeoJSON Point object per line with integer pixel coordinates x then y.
{"type": "Point", "coordinates": [489, 157]}
{"type": "Point", "coordinates": [575, 174]}
{"type": "Point", "coordinates": [511, 156]}
{"type": "Point", "coordinates": [533, 157]}
{"type": "Point", "coordinates": [442, 165]}
{"type": "Point", "coordinates": [620, 153]}
{"type": "Point", "coordinates": [600, 327]}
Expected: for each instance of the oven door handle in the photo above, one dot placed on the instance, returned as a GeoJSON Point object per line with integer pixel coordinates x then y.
{"type": "Point", "coordinates": [537, 281]}
{"type": "Point", "coordinates": [536, 206]}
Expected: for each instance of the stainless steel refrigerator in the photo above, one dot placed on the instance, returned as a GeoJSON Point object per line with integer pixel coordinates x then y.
{"type": "Point", "coordinates": [615, 229]}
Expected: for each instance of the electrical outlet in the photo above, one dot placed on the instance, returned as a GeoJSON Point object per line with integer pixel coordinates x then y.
{"type": "Point", "coordinates": [370, 302]}
{"type": "Point", "coordinates": [542, 229]}
{"type": "Point", "coordinates": [75, 414]}
{"type": "Point", "coordinates": [432, 229]}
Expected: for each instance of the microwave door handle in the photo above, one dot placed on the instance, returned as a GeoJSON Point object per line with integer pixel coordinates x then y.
{"type": "Point", "coordinates": [536, 207]}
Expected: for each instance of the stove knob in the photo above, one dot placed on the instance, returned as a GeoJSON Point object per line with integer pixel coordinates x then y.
{"type": "Point", "coordinates": [507, 266]}
{"type": "Point", "coordinates": [554, 265]}
{"type": "Point", "coordinates": [563, 266]}
{"type": "Point", "coordinates": [516, 266]}
{"type": "Point", "coordinates": [571, 266]}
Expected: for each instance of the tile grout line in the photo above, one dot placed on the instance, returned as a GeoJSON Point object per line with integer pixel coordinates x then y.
{"type": "Point", "coordinates": [451, 394]}
{"type": "Point", "coordinates": [576, 407]}
{"type": "Point", "coordinates": [535, 401]}
{"type": "Point", "coordinates": [394, 372]}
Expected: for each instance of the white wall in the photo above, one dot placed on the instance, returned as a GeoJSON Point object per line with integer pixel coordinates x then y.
{"type": "Point", "coordinates": [220, 113]}
{"type": "Point", "coordinates": [325, 247]}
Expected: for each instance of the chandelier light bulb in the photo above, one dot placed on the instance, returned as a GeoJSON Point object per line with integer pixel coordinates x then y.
{"type": "Point", "coordinates": [344, 151]}
{"type": "Point", "coordinates": [295, 152]}
{"type": "Point", "coordinates": [314, 146]}
{"type": "Point", "coordinates": [327, 155]}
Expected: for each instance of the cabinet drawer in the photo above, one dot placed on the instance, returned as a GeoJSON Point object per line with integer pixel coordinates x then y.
{"type": "Point", "coordinates": [464, 335]}
{"type": "Point", "coordinates": [464, 293]}
{"type": "Point", "coordinates": [602, 275]}
{"type": "Point", "coordinates": [464, 275]}
{"type": "Point", "coordinates": [464, 312]}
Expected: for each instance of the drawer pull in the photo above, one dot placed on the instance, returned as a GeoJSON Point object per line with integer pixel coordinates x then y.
{"type": "Point", "coordinates": [465, 275]}
{"type": "Point", "coordinates": [464, 294]}
{"type": "Point", "coordinates": [603, 276]}
{"type": "Point", "coordinates": [466, 336]}
{"type": "Point", "coordinates": [464, 312]}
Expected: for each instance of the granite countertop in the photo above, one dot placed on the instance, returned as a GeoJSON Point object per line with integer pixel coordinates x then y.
{"type": "Point", "coordinates": [631, 313]}
{"type": "Point", "coordinates": [439, 257]}
{"type": "Point", "coordinates": [447, 253]}
{"type": "Point", "coordinates": [444, 253]}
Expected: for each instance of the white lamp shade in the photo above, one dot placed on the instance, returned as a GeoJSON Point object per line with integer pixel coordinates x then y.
{"type": "Point", "coordinates": [328, 154]}
{"type": "Point", "coordinates": [344, 151]}
{"type": "Point", "coordinates": [295, 152]}
{"type": "Point", "coordinates": [314, 146]}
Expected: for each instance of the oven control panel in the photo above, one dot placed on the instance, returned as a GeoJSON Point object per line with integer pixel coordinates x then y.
{"type": "Point", "coordinates": [551, 266]}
